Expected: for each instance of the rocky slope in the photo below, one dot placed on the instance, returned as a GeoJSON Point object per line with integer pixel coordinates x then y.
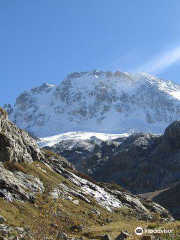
{"type": "Point", "coordinates": [38, 186]}
{"type": "Point", "coordinates": [170, 198]}
{"type": "Point", "coordinates": [141, 163]}
{"type": "Point", "coordinates": [145, 163]}
{"type": "Point", "coordinates": [130, 161]}
{"type": "Point", "coordinates": [87, 155]}
{"type": "Point", "coordinates": [98, 101]}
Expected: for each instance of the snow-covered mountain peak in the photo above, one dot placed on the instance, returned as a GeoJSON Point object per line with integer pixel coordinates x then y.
{"type": "Point", "coordinates": [98, 80]}
{"type": "Point", "coordinates": [87, 73]}
{"type": "Point", "coordinates": [98, 75]}
{"type": "Point", "coordinates": [45, 87]}
{"type": "Point", "coordinates": [98, 101]}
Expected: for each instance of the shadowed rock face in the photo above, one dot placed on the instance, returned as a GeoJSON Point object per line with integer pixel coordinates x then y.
{"type": "Point", "coordinates": [172, 136]}
{"type": "Point", "coordinates": [145, 163]}
{"type": "Point", "coordinates": [170, 151]}
{"type": "Point", "coordinates": [86, 155]}
{"type": "Point", "coordinates": [129, 165]}
{"type": "Point", "coordinates": [170, 199]}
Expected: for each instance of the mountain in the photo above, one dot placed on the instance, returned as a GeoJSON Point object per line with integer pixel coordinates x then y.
{"type": "Point", "coordinates": [98, 101]}
{"type": "Point", "coordinates": [42, 196]}
{"type": "Point", "coordinates": [87, 152]}
{"type": "Point", "coordinates": [146, 164]}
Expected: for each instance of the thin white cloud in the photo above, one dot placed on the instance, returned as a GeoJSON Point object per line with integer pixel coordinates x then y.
{"type": "Point", "coordinates": [161, 62]}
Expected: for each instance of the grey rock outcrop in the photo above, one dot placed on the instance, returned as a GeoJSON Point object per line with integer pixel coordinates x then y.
{"type": "Point", "coordinates": [16, 144]}
{"type": "Point", "coordinates": [18, 186]}
{"type": "Point", "coordinates": [112, 196]}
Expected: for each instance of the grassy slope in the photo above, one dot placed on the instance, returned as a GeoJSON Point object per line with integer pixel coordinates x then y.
{"type": "Point", "coordinates": [42, 214]}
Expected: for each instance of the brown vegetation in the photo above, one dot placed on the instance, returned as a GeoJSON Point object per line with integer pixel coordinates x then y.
{"type": "Point", "coordinates": [14, 166]}
{"type": "Point", "coordinates": [83, 175]}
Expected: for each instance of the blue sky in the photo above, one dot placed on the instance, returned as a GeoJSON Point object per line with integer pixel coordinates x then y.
{"type": "Point", "coordinates": [42, 41]}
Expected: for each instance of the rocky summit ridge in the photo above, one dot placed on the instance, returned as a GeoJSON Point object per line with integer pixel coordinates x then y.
{"type": "Point", "coordinates": [98, 101]}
